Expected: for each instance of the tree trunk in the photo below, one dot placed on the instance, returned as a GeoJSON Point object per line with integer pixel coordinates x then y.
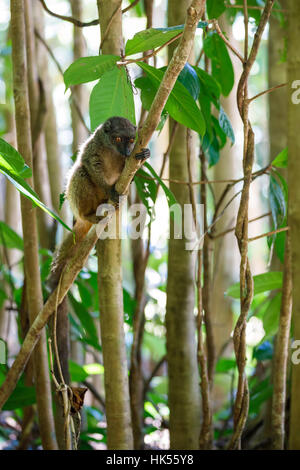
{"type": "Point", "coordinates": [119, 431]}
{"type": "Point", "coordinates": [31, 260]}
{"type": "Point", "coordinates": [184, 395]}
{"type": "Point", "coordinates": [79, 92]}
{"type": "Point", "coordinates": [294, 203]}
{"type": "Point", "coordinates": [226, 254]}
{"type": "Point", "coordinates": [54, 157]}
{"type": "Point", "coordinates": [37, 118]}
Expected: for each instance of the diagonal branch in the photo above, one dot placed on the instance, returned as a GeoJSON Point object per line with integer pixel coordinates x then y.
{"type": "Point", "coordinates": [194, 13]}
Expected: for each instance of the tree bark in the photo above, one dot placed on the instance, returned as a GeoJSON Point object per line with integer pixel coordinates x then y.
{"type": "Point", "coordinates": [184, 392]}
{"type": "Point", "coordinates": [79, 92]}
{"type": "Point", "coordinates": [226, 255]}
{"type": "Point", "coordinates": [54, 157]}
{"type": "Point", "coordinates": [31, 260]}
{"type": "Point", "coordinates": [119, 429]}
{"type": "Point", "coordinates": [294, 204]}
{"type": "Point", "coordinates": [281, 355]}
{"type": "Point", "coordinates": [37, 118]}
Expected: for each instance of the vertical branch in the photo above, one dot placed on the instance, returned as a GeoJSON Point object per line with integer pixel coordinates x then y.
{"type": "Point", "coordinates": [37, 106]}
{"type": "Point", "coordinates": [205, 438]}
{"type": "Point", "coordinates": [183, 387]}
{"type": "Point", "coordinates": [281, 354]}
{"type": "Point", "coordinates": [119, 428]}
{"type": "Point", "coordinates": [78, 92]}
{"type": "Point", "coordinates": [207, 284]}
{"type": "Point", "coordinates": [140, 259]}
{"type": "Point", "coordinates": [241, 232]}
{"type": "Point", "coordinates": [31, 261]}
{"type": "Point", "coordinates": [293, 206]}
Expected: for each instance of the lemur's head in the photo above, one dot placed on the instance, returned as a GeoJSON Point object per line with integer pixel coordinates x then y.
{"type": "Point", "coordinates": [119, 134]}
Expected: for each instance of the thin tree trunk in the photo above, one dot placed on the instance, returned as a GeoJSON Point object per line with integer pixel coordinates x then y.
{"type": "Point", "coordinates": [119, 430]}
{"type": "Point", "coordinates": [226, 255]}
{"type": "Point", "coordinates": [184, 392]}
{"type": "Point", "coordinates": [281, 355]}
{"type": "Point", "coordinates": [278, 108]}
{"type": "Point", "coordinates": [79, 92]}
{"type": "Point", "coordinates": [140, 258]}
{"type": "Point", "coordinates": [37, 118]}
{"type": "Point", "coordinates": [54, 157]}
{"type": "Point", "coordinates": [294, 204]}
{"type": "Point", "coordinates": [31, 260]}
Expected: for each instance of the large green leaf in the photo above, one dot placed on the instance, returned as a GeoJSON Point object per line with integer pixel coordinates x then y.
{"type": "Point", "coordinates": [180, 104]}
{"type": "Point", "coordinates": [14, 168]}
{"type": "Point", "coordinates": [88, 69]}
{"type": "Point", "coordinates": [222, 69]}
{"type": "Point", "coordinates": [215, 8]}
{"type": "Point", "coordinates": [262, 283]}
{"type": "Point", "coordinates": [112, 96]}
{"type": "Point", "coordinates": [154, 37]}
{"type": "Point", "coordinates": [150, 39]}
{"type": "Point", "coordinates": [9, 237]}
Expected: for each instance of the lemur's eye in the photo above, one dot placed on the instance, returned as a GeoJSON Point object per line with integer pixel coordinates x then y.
{"type": "Point", "coordinates": [131, 141]}
{"type": "Point", "coordinates": [118, 139]}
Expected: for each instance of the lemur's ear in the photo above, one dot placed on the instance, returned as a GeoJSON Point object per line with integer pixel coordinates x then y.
{"type": "Point", "coordinates": [107, 126]}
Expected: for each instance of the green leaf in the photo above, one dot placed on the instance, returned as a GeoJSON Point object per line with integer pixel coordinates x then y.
{"type": "Point", "coordinates": [262, 283]}
{"type": "Point", "coordinates": [168, 193]}
{"type": "Point", "coordinates": [129, 306]}
{"type": "Point", "coordinates": [147, 190]}
{"type": "Point", "coordinates": [211, 148]}
{"type": "Point", "coordinates": [14, 168]}
{"type": "Point", "coordinates": [278, 201]}
{"type": "Point", "coordinates": [225, 364]}
{"type": "Point", "coordinates": [112, 96]}
{"type": "Point", "coordinates": [281, 161]}
{"type": "Point", "coordinates": [209, 85]}
{"type": "Point", "coordinates": [9, 238]}
{"type": "Point", "coordinates": [22, 396]}
{"type": "Point", "coordinates": [219, 132]}
{"type": "Point", "coordinates": [260, 395]}
{"type": "Point", "coordinates": [180, 104]}
{"type": "Point", "coordinates": [263, 351]}
{"type": "Point", "coordinates": [94, 368]}
{"type": "Point", "coordinates": [189, 79]}
{"type": "Point", "coordinates": [86, 320]}
{"type": "Point", "coordinates": [77, 372]}
{"type": "Point", "coordinates": [11, 159]}
{"type": "Point", "coordinates": [279, 245]}
{"type": "Point", "coordinates": [88, 69]}
{"type": "Point", "coordinates": [226, 125]}
{"type": "Point", "coordinates": [215, 8]}
{"type": "Point", "coordinates": [271, 316]}
{"type": "Point", "coordinates": [62, 198]}
{"type": "Point", "coordinates": [150, 39]}
{"type": "Point", "coordinates": [154, 37]}
{"type": "Point", "coordinates": [222, 69]}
